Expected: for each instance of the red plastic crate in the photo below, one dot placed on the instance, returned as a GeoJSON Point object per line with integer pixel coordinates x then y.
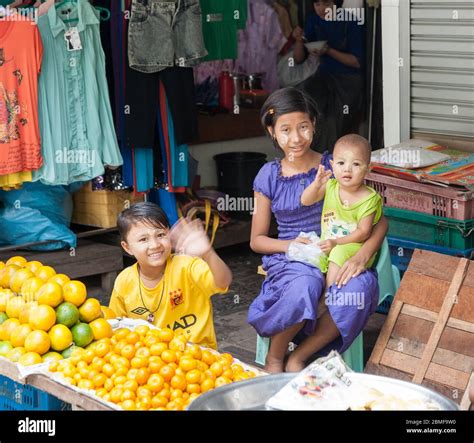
{"type": "Point", "coordinates": [449, 202]}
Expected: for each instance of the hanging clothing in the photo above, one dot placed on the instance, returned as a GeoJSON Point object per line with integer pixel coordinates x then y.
{"type": "Point", "coordinates": [14, 181]}
{"type": "Point", "coordinates": [260, 43]}
{"type": "Point", "coordinates": [220, 22]}
{"type": "Point", "coordinates": [163, 34]}
{"type": "Point", "coordinates": [21, 52]}
{"type": "Point", "coordinates": [74, 107]}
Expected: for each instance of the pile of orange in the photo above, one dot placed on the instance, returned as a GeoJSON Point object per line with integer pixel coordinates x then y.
{"type": "Point", "coordinates": [149, 369]}
{"type": "Point", "coordinates": [44, 315]}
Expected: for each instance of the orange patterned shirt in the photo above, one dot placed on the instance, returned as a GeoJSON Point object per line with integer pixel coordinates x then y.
{"type": "Point", "coordinates": [21, 52]}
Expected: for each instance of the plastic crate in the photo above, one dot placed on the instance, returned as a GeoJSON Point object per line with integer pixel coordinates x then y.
{"type": "Point", "coordinates": [429, 229]}
{"type": "Point", "coordinates": [18, 397]}
{"type": "Point", "coordinates": [449, 202]}
{"type": "Point", "coordinates": [402, 250]}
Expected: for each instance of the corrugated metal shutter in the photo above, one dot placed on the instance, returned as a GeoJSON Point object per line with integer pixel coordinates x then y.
{"type": "Point", "coordinates": [442, 67]}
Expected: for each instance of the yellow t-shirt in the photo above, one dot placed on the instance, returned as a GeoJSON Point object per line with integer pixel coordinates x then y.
{"type": "Point", "coordinates": [180, 301]}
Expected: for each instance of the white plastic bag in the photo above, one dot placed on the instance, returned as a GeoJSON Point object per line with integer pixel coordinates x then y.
{"type": "Point", "coordinates": [310, 254]}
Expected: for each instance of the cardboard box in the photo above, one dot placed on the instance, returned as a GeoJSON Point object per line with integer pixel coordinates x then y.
{"type": "Point", "coordinates": [101, 208]}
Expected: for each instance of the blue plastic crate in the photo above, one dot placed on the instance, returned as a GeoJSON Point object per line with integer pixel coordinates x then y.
{"type": "Point", "coordinates": [17, 397]}
{"type": "Point", "coordinates": [401, 251]}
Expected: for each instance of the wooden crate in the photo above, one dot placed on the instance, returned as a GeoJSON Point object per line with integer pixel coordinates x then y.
{"type": "Point", "coordinates": [428, 336]}
{"type": "Point", "coordinates": [101, 208]}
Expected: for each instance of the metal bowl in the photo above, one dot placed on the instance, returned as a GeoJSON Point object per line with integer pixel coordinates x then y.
{"type": "Point", "coordinates": [253, 394]}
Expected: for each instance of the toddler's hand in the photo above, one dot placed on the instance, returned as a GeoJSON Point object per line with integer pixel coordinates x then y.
{"type": "Point", "coordinates": [327, 245]}
{"type": "Point", "coordinates": [322, 176]}
{"type": "Point", "coordinates": [188, 238]}
{"type": "Point", "coordinates": [303, 240]}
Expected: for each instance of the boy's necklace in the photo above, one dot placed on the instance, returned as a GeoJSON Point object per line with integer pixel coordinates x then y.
{"type": "Point", "coordinates": [151, 317]}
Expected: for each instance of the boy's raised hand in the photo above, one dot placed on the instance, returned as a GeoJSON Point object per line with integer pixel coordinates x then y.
{"type": "Point", "coordinates": [188, 238]}
{"type": "Point", "coordinates": [322, 176]}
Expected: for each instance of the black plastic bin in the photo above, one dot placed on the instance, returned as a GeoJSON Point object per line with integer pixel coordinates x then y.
{"type": "Point", "coordinates": [236, 172]}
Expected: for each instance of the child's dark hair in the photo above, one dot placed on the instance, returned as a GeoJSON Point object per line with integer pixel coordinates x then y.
{"type": "Point", "coordinates": [287, 100]}
{"type": "Point", "coordinates": [338, 3]}
{"type": "Point", "coordinates": [148, 213]}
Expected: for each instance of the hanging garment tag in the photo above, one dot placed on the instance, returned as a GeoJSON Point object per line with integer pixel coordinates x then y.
{"type": "Point", "coordinates": [73, 39]}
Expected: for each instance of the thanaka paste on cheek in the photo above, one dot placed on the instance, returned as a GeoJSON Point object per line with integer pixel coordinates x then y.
{"type": "Point", "coordinates": [307, 134]}
{"type": "Point", "coordinates": [282, 140]}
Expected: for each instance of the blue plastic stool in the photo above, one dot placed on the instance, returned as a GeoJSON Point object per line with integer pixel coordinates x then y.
{"type": "Point", "coordinates": [389, 282]}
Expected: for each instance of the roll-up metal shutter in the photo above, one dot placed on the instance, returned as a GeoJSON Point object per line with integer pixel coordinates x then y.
{"type": "Point", "coordinates": [441, 84]}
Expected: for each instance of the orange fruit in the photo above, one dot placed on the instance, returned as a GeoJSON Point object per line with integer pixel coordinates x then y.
{"type": "Point", "coordinates": [195, 351]}
{"type": "Point", "coordinates": [5, 348]}
{"type": "Point", "coordinates": [132, 338]}
{"type": "Point", "coordinates": [42, 317]}
{"type": "Point", "coordinates": [207, 385]}
{"type": "Point", "coordinates": [158, 401]}
{"type": "Point", "coordinates": [15, 354]}
{"type": "Point", "coordinates": [129, 405]}
{"type": "Point", "coordinates": [167, 372]}
{"type": "Point", "coordinates": [37, 341]}
{"type": "Point", "coordinates": [155, 366]}
{"type": "Point", "coordinates": [165, 335]}
{"type": "Point", "coordinates": [75, 292]}
{"type": "Point", "coordinates": [193, 388]}
{"type": "Point", "coordinates": [177, 345]}
{"type": "Point", "coordinates": [14, 306]}
{"type": "Point", "coordinates": [85, 384]}
{"type": "Point", "coordinates": [130, 384]}
{"type": "Point", "coordinates": [18, 278]}
{"type": "Point", "coordinates": [144, 391]}
{"type": "Point", "coordinates": [89, 310]}
{"type": "Point", "coordinates": [128, 351]}
{"type": "Point", "coordinates": [208, 357]}
{"type": "Point", "coordinates": [33, 265]}
{"type": "Point", "coordinates": [178, 382]}
{"type": "Point", "coordinates": [121, 333]}
{"type": "Point", "coordinates": [6, 274]}
{"type": "Point", "coordinates": [139, 362]}
{"type": "Point", "coordinates": [143, 352]}
{"type": "Point", "coordinates": [156, 383]}
{"type": "Point", "coordinates": [108, 369]}
{"type": "Point", "coordinates": [101, 328]}
{"type": "Point", "coordinates": [30, 358]}
{"type": "Point", "coordinates": [187, 364]}
{"type": "Point", "coordinates": [45, 273]}
{"type": "Point", "coordinates": [221, 381]}
{"type": "Point", "coordinates": [128, 394]}
{"type": "Point", "coordinates": [19, 334]}
{"type": "Point", "coordinates": [60, 279]}
{"type": "Point", "coordinates": [5, 295]}
{"type": "Point", "coordinates": [2, 264]}
{"type": "Point", "coordinates": [102, 349]}
{"type": "Point", "coordinates": [143, 374]}
{"type": "Point", "coordinates": [61, 337]}
{"type": "Point", "coordinates": [168, 356]}
{"type": "Point", "coordinates": [108, 313]}
{"type": "Point", "coordinates": [193, 376]}
{"type": "Point", "coordinates": [30, 288]}
{"type": "Point", "coordinates": [17, 260]}
{"type": "Point", "coordinates": [142, 330]}
{"type": "Point", "coordinates": [50, 294]}
{"type": "Point", "coordinates": [52, 356]}
{"type": "Point", "coordinates": [158, 348]}
{"type": "Point", "coordinates": [7, 327]}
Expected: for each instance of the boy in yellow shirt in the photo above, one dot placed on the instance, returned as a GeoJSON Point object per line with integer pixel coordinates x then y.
{"type": "Point", "coordinates": [169, 290]}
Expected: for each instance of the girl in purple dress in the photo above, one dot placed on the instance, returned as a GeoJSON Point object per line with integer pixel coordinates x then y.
{"type": "Point", "coordinates": [288, 301]}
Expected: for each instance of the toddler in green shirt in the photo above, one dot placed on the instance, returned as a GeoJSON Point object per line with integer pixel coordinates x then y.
{"type": "Point", "coordinates": [350, 208]}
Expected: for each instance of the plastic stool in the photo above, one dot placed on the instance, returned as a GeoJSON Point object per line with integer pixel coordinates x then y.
{"type": "Point", "coordinates": [389, 282]}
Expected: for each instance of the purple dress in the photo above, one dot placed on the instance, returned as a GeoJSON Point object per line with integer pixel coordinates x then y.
{"type": "Point", "coordinates": [291, 290]}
